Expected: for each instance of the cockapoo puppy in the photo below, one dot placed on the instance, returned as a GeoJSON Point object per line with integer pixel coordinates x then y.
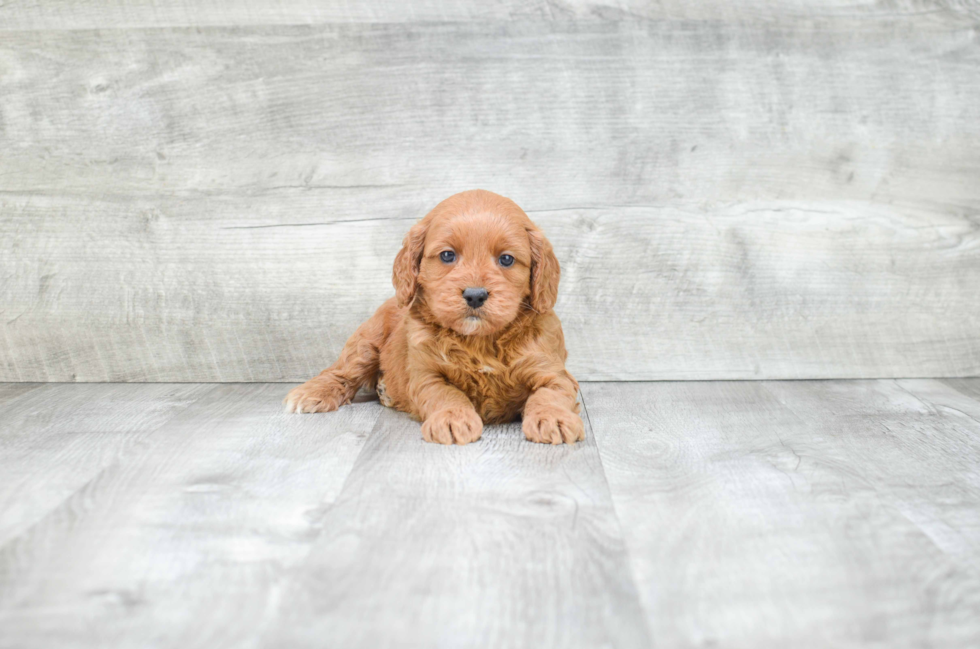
{"type": "Point", "coordinates": [470, 336]}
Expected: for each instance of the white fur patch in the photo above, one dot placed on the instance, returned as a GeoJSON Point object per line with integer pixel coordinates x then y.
{"type": "Point", "coordinates": [383, 394]}
{"type": "Point", "coordinates": [471, 324]}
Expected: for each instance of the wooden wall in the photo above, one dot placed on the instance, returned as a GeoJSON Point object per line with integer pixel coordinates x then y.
{"type": "Point", "coordinates": [215, 190]}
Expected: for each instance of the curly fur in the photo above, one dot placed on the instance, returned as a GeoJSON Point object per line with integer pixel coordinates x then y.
{"type": "Point", "coordinates": [452, 366]}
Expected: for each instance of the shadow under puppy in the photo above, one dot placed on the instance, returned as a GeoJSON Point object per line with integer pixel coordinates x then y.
{"type": "Point", "coordinates": [470, 336]}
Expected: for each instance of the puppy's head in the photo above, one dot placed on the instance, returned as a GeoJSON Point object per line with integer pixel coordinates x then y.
{"type": "Point", "coordinates": [476, 260]}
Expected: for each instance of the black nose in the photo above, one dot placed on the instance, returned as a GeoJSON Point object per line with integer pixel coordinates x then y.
{"type": "Point", "coordinates": [475, 297]}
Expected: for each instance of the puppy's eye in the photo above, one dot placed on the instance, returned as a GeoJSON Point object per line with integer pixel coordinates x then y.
{"type": "Point", "coordinates": [506, 260]}
{"type": "Point", "coordinates": [447, 256]}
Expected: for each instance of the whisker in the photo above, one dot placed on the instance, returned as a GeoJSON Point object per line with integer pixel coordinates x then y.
{"type": "Point", "coordinates": [528, 305]}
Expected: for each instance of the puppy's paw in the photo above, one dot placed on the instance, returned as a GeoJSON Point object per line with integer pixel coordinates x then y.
{"type": "Point", "coordinates": [316, 396]}
{"type": "Point", "coordinates": [459, 425]}
{"type": "Point", "coordinates": [553, 425]}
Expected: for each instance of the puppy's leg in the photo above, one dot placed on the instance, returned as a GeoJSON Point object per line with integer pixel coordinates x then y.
{"type": "Point", "coordinates": [447, 414]}
{"type": "Point", "coordinates": [551, 414]}
{"type": "Point", "coordinates": [337, 385]}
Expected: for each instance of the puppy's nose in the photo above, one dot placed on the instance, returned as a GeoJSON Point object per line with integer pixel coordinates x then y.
{"type": "Point", "coordinates": [475, 297]}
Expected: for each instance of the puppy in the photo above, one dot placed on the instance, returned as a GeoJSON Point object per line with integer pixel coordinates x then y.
{"type": "Point", "coordinates": [470, 336]}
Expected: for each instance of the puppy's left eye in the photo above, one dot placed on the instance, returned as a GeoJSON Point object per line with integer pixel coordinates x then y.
{"type": "Point", "coordinates": [506, 260]}
{"type": "Point", "coordinates": [447, 256]}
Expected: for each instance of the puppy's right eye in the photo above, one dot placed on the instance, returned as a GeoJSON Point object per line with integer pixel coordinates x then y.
{"type": "Point", "coordinates": [447, 256]}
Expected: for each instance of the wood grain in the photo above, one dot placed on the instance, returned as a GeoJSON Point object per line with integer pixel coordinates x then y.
{"type": "Point", "coordinates": [98, 14]}
{"type": "Point", "coordinates": [800, 514]}
{"type": "Point", "coordinates": [741, 514]}
{"type": "Point", "coordinates": [622, 113]}
{"type": "Point", "coordinates": [55, 439]}
{"type": "Point", "coordinates": [10, 391]}
{"type": "Point", "coordinates": [969, 387]}
{"type": "Point", "coordinates": [783, 199]}
{"type": "Point", "coordinates": [501, 543]}
{"type": "Point", "coordinates": [754, 290]}
{"type": "Point", "coordinates": [184, 539]}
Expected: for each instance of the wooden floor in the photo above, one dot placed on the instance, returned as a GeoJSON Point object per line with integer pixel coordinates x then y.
{"type": "Point", "coordinates": [728, 514]}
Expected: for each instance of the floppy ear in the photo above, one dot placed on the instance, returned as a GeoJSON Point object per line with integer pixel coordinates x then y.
{"type": "Point", "coordinates": [545, 272]}
{"type": "Point", "coordinates": [405, 274]}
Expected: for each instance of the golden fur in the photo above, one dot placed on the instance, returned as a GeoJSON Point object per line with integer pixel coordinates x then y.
{"type": "Point", "coordinates": [454, 367]}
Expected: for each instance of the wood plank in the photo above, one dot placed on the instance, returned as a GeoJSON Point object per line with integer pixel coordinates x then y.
{"type": "Point", "coordinates": [920, 455]}
{"type": "Point", "coordinates": [946, 507]}
{"type": "Point", "coordinates": [926, 466]}
{"type": "Point", "coordinates": [98, 14]}
{"type": "Point", "coordinates": [729, 200]}
{"type": "Point", "coordinates": [795, 513]}
{"type": "Point", "coordinates": [785, 290]}
{"type": "Point", "coordinates": [621, 113]}
{"type": "Point", "coordinates": [54, 439]}
{"type": "Point", "coordinates": [501, 543]}
{"type": "Point", "coordinates": [9, 392]}
{"type": "Point", "coordinates": [184, 541]}
{"type": "Point", "coordinates": [968, 387]}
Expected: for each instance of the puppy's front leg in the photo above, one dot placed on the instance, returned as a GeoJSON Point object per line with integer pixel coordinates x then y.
{"type": "Point", "coordinates": [338, 384]}
{"type": "Point", "coordinates": [550, 413]}
{"type": "Point", "coordinates": [448, 415]}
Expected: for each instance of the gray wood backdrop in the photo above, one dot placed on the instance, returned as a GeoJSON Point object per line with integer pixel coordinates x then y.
{"type": "Point", "coordinates": [215, 190]}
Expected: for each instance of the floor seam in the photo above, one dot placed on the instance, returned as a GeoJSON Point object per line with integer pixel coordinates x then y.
{"type": "Point", "coordinates": [619, 524]}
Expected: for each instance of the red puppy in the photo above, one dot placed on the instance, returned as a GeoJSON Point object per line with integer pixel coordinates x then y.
{"type": "Point", "coordinates": [470, 336]}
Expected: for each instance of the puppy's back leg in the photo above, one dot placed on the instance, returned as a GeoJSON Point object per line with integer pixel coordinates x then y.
{"type": "Point", "coordinates": [357, 365]}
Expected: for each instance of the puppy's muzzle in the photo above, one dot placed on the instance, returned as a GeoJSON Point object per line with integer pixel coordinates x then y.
{"type": "Point", "coordinates": [475, 297]}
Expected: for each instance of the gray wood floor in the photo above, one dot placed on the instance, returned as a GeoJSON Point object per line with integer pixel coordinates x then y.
{"type": "Point", "coordinates": [735, 514]}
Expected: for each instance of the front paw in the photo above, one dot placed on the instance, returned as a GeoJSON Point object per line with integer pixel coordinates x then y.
{"type": "Point", "coordinates": [459, 425]}
{"type": "Point", "coordinates": [553, 425]}
{"type": "Point", "coordinates": [316, 396]}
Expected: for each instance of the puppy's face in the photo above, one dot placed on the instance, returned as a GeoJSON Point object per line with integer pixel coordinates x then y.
{"type": "Point", "coordinates": [475, 271]}
{"type": "Point", "coordinates": [475, 260]}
